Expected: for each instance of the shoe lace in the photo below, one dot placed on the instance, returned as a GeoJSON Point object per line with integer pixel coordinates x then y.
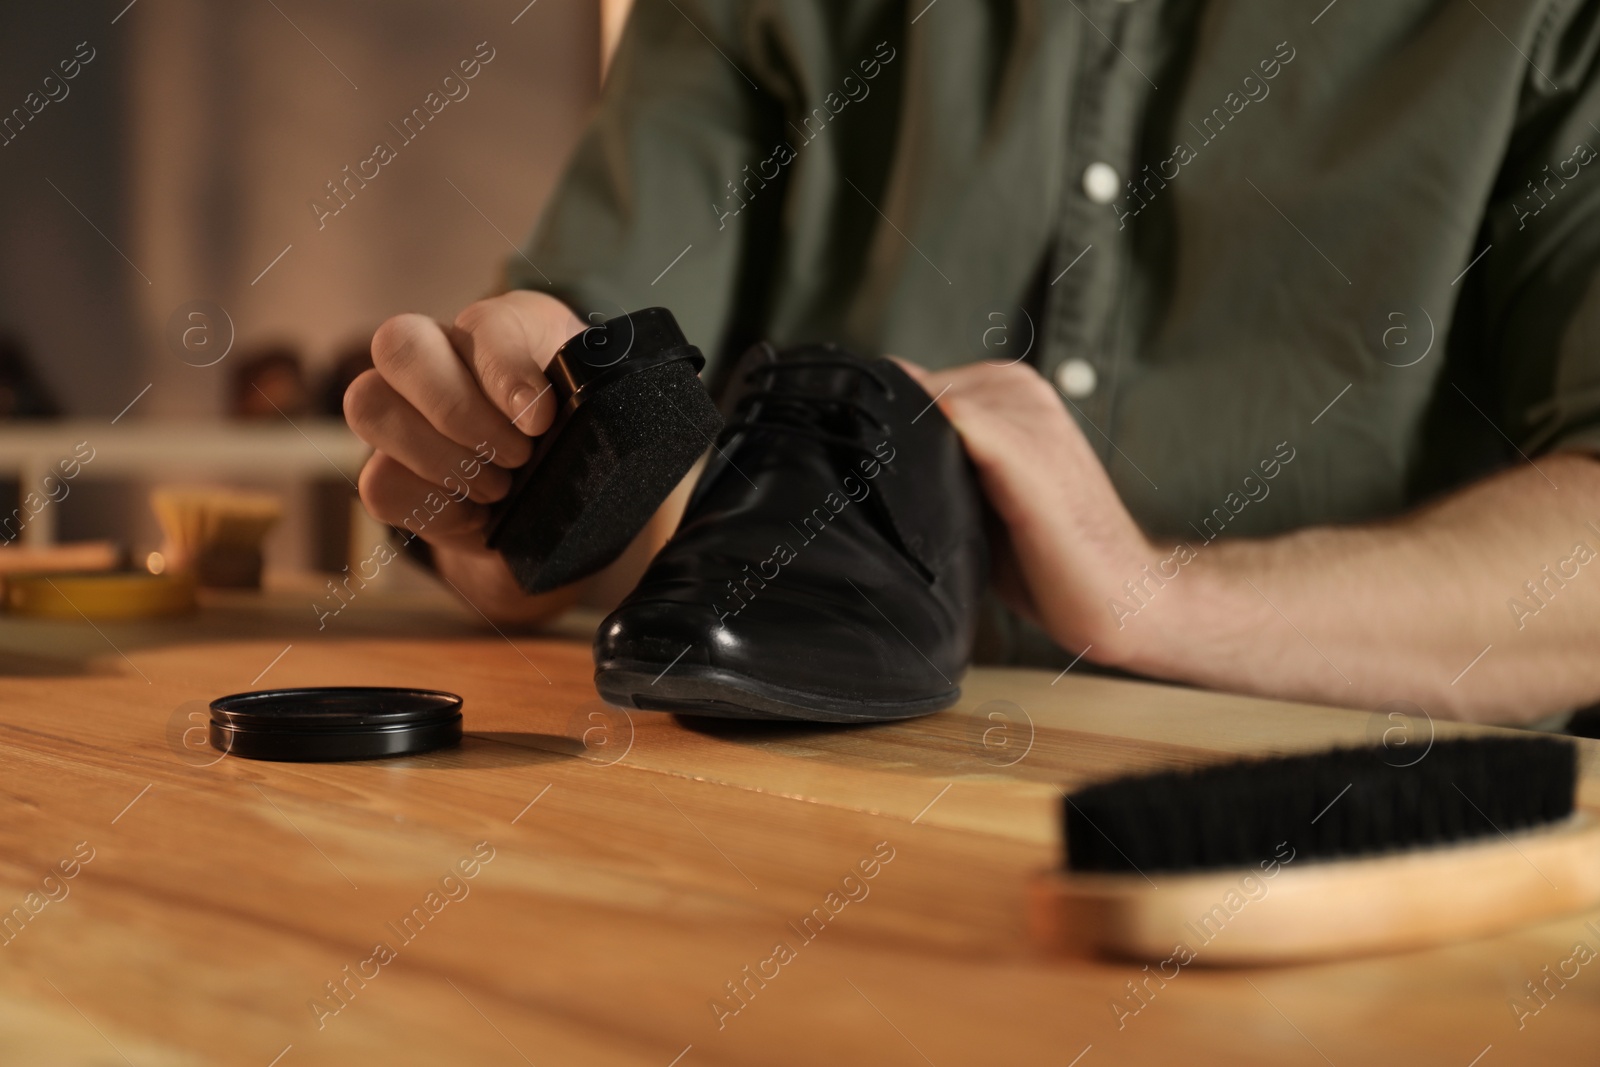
{"type": "Point", "coordinates": [805, 415]}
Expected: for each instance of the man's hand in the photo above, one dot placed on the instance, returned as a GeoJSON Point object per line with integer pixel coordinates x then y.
{"type": "Point", "coordinates": [1481, 605]}
{"type": "Point", "coordinates": [449, 412]}
{"type": "Point", "coordinates": [1070, 541]}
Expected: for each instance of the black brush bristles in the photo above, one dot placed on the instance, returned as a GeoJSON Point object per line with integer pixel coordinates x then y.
{"type": "Point", "coordinates": [1328, 805]}
{"type": "Point", "coordinates": [607, 470]}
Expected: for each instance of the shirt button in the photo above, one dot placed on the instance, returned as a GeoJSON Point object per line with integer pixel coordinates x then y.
{"type": "Point", "coordinates": [1077, 378]}
{"type": "Point", "coordinates": [1101, 183]}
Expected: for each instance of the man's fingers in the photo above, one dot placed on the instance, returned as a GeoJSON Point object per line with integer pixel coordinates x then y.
{"type": "Point", "coordinates": [918, 374]}
{"type": "Point", "coordinates": [506, 342]}
{"type": "Point", "coordinates": [415, 358]}
{"type": "Point", "coordinates": [384, 420]}
{"type": "Point", "coordinates": [395, 495]}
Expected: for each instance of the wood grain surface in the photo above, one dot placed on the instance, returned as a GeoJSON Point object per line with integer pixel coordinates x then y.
{"type": "Point", "coordinates": [638, 865]}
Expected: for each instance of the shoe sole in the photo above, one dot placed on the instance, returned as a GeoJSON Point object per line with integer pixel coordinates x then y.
{"type": "Point", "coordinates": [724, 694]}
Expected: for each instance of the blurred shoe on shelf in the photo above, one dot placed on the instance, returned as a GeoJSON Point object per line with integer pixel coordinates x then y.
{"type": "Point", "coordinates": [23, 393]}
{"type": "Point", "coordinates": [269, 383]}
{"type": "Point", "coordinates": [348, 364]}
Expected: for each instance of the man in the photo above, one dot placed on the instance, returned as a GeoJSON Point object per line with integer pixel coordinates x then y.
{"type": "Point", "coordinates": [1271, 329]}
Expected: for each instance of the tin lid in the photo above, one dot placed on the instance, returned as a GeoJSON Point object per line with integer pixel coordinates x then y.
{"type": "Point", "coordinates": [334, 723]}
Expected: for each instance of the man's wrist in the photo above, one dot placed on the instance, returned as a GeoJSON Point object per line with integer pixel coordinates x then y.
{"type": "Point", "coordinates": [1181, 614]}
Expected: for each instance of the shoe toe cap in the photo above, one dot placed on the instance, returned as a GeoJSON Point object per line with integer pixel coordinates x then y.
{"type": "Point", "coordinates": [797, 644]}
{"type": "Point", "coordinates": [655, 631]}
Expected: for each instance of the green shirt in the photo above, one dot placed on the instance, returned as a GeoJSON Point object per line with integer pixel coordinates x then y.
{"type": "Point", "coordinates": [1288, 263]}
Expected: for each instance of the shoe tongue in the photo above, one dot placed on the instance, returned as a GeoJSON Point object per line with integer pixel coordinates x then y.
{"type": "Point", "coordinates": [788, 375]}
{"type": "Point", "coordinates": [792, 468]}
{"type": "Point", "coordinates": [832, 381]}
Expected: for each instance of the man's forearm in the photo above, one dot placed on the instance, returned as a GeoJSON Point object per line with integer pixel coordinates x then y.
{"type": "Point", "coordinates": [1484, 605]}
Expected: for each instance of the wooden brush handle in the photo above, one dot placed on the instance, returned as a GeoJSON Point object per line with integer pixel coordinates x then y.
{"type": "Point", "coordinates": [1327, 909]}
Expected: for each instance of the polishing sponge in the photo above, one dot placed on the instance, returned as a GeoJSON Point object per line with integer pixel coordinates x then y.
{"type": "Point", "coordinates": [632, 418]}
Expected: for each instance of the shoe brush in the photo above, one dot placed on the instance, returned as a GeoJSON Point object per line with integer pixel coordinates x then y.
{"type": "Point", "coordinates": [631, 420]}
{"type": "Point", "coordinates": [215, 533]}
{"type": "Point", "coordinates": [1307, 857]}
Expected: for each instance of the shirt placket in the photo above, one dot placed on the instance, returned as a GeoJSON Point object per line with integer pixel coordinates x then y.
{"type": "Point", "coordinates": [1094, 232]}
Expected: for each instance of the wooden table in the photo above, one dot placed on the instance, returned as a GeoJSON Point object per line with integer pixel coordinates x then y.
{"type": "Point", "coordinates": [639, 865]}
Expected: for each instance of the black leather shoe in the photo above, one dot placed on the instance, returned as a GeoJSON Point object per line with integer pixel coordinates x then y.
{"type": "Point", "coordinates": [830, 563]}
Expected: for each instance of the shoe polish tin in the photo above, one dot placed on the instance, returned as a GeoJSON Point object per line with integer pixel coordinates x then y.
{"type": "Point", "coordinates": [334, 723]}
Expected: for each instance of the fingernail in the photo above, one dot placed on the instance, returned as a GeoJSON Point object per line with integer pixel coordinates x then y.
{"type": "Point", "coordinates": [522, 402]}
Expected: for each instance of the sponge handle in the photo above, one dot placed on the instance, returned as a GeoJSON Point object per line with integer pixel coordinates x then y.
{"type": "Point", "coordinates": [627, 344]}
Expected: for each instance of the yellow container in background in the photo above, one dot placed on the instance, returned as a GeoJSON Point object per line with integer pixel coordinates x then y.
{"type": "Point", "coordinates": [101, 597]}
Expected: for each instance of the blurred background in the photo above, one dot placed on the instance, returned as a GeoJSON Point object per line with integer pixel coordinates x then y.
{"type": "Point", "coordinates": [172, 301]}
